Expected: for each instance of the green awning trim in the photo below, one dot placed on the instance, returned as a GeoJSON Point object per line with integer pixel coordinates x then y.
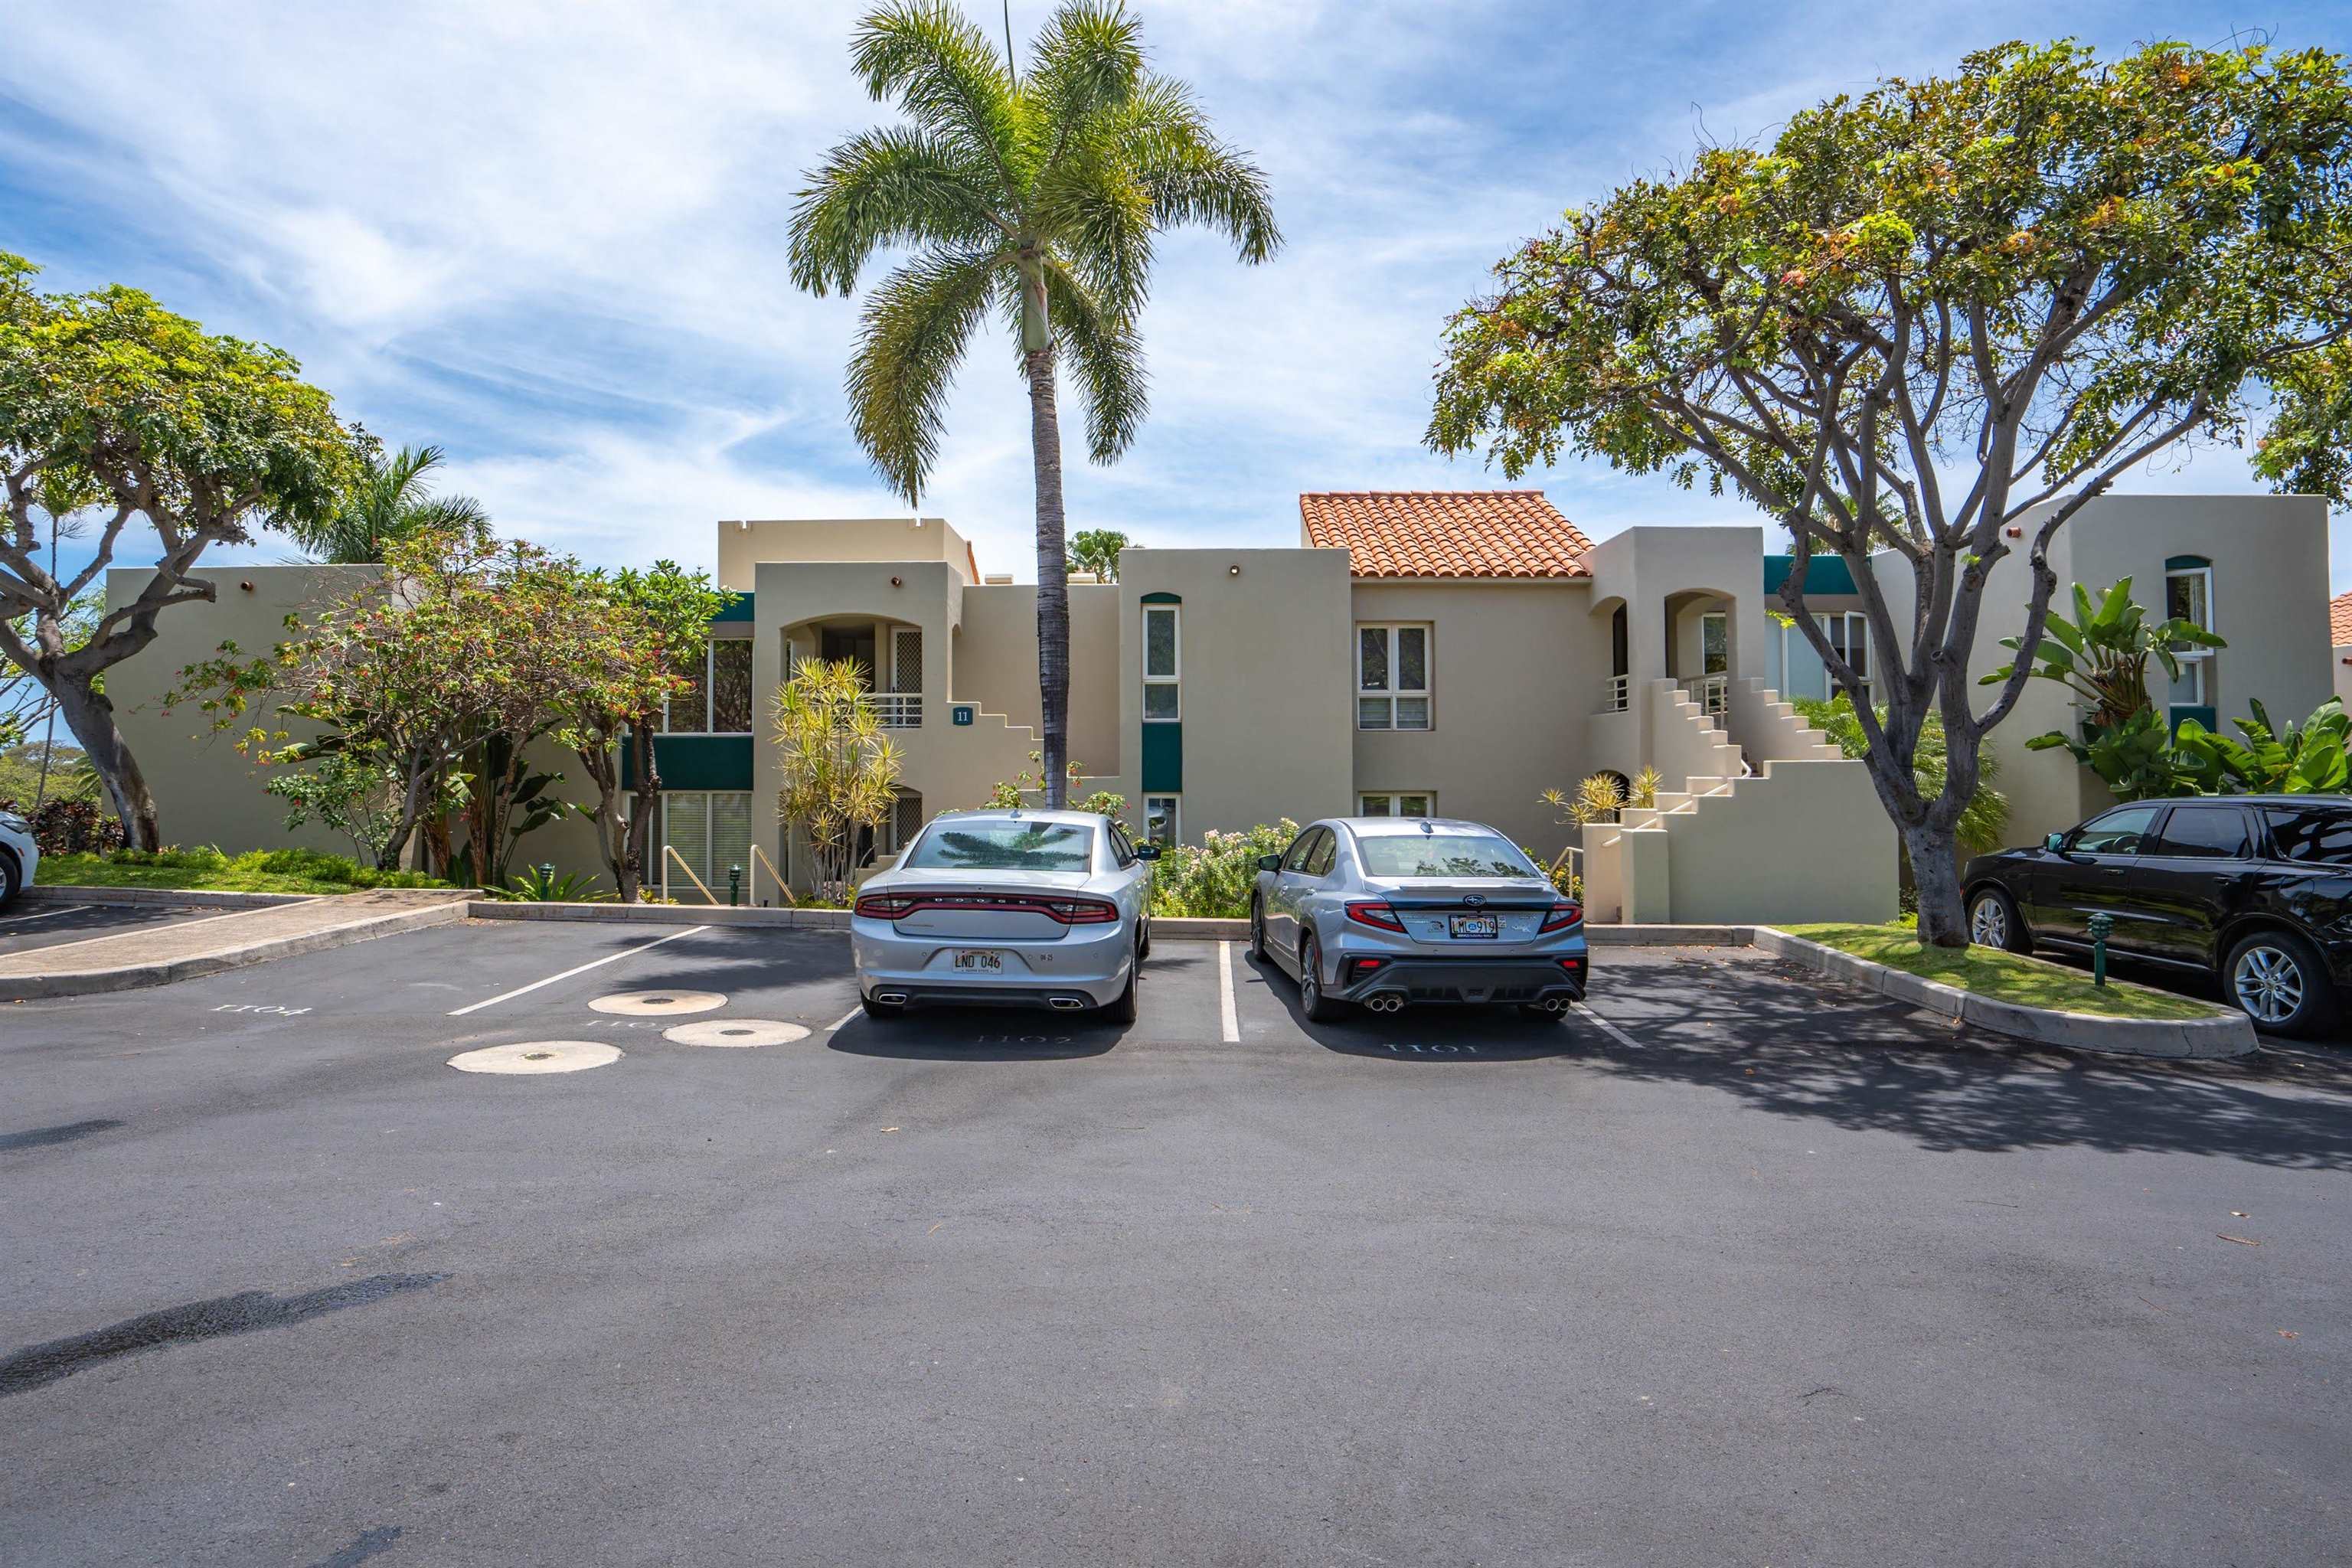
{"type": "Point", "coordinates": [1163, 598]}
{"type": "Point", "coordinates": [738, 607]}
{"type": "Point", "coordinates": [696, 761]}
{"type": "Point", "coordinates": [1823, 575]}
{"type": "Point", "coordinates": [2185, 563]}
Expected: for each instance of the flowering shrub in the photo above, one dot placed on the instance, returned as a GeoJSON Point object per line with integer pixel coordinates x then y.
{"type": "Point", "coordinates": [63, 826]}
{"type": "Point", "coordinates": [1213, 877]}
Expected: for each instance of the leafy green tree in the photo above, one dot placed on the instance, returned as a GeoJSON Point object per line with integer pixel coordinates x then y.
{"type": "Point", "coordinates": [1037, 198]}
{"type": "Point", "coordinates": [840, 769]}
{"type": "Point", "coordinates": [387, 499]}
{"type": "Point", "coordinates": [111, 402]}
{"type": "Point", "coordinates": [2101, 657]}
{"type": "Point", "coordinates": [1095, 550]}
{"type": "Point", "coordinates": [1925, 317]}
{"type": "Point", "coordinates": [1983, 826]}
{"type": "Point", "coordinates": [2302, 758]}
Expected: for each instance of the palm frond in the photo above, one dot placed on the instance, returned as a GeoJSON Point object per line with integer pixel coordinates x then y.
{"type": "Point", "coordinates": [886, 187]}
{"type": "Point", "coordinates": [1098, 214]}
{"type": "Point", "coordinates": [1106, 355]}
{"type": "Point", "coordinates": [1089, 60]}
{"type": "Point", "coordinates": [936, 64]}
{"type": "Point", "coordinates": [1193, 177]}
{"type": "Point", "coordinates": [916, 326]}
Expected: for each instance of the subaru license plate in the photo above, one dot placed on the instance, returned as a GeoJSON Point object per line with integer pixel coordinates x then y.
{"type": "Point", "coordinates": [980, 957]}
{"type": "Point", "coordinates": [1475, 925]}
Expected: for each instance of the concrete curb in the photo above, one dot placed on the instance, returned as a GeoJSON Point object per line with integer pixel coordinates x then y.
{"type": "Point", "coordinates": [188, 897]}
{"type": "Point", "coordinates": [660, 914]}
{"type": "Point", "coordinates": [138, 976]}
{"type": "Point", "coordinates": [2225, 1034]}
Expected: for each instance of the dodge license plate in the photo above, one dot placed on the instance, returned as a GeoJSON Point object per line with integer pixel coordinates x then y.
{"type": "Point", "coordinates": [978, 958]}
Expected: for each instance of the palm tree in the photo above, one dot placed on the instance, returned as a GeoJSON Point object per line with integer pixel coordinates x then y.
{"type": "Point", "coordinates": [1037, 198]}
{"type": "Point", "coordinates": [389, 500]}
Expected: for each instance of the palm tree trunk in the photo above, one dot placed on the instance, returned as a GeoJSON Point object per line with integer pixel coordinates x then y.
{"type": "Point", "coordinates": [1053, 578]}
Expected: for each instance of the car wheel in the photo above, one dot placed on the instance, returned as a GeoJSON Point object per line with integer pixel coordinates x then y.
{"type": "Point", "coordinates": [1143, 946]}
{"type": "Point", "coordinates": [882, 1012]}
{"type": "Point", "coordinates": [2281, 983]}
{"type": "Point", "coordinates": [1123, 1011]}
{"type": "Point", "coordinates": [9, 877]}
{"type": "Point", "coordinates": [1258, 930]}
{"type": "Point", "coordinates": [1318, 1008]}
{"type": "Point", "coordinates": [1993, 922]}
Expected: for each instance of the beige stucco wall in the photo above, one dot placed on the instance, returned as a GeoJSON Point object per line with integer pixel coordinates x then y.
{"type": "Point", "coordinates": [996, 663]}
{"type": "Point", "coordinates": [744, 547]}
{"type": "Point", "coordinates": [1644, 569]}
{"type": "Point", "coordinates": [1267, 692]}
{"type": "Point", "coordinates": [2340, 670]}
{"type": "Point", "coordinates": [1513, 671]}
{"type": "Point", "coordinates": [206, 792]}
{"type": "Point", "coordinates": [2269, 603]}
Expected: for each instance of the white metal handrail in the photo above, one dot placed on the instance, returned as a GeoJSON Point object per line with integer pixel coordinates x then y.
{"type": "Point", "coordinates": [900, 709]}
{"type": "Point", "coordinates": [1712, 693]}
{"type": "Point", "coordinates": [1617, 694]}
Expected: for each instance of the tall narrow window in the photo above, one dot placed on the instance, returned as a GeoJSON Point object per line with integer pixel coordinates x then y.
{"type": "Point", "coordinates": [1161, 662]}
{"type": "Point", "coordinates": [2188, 596]}
{"type": "Point", "coordinates": [1392, 677]}
{"type": "Point", "coordinates": [1849, 638]}
{"type": "Point", "coordinates": [1161, 824]}
{"type": "Point", "coordinates": [730, 686]}
{"type": "Point", "coordinates": [1714, 643]}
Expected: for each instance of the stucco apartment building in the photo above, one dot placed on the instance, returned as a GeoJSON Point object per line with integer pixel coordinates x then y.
{"type": "Point", "coordinates": [1446, 653]}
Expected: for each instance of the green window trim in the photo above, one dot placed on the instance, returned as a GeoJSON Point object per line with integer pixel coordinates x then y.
{"type": "Point", "coordinates": [1163, 598]}
{"type": "Point", "coordinates": [1163, 759]}
{"type": "Point", "coordinates": [696, 763]}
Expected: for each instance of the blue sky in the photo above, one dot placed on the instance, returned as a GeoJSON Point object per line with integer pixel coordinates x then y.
{"type": "Point", "coordinates": [548, 235]}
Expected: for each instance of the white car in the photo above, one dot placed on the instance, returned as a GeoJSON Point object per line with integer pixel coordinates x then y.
{"type": "Point", "coordinates": [20, 856]}
{"type": "Point", "coordinates": [1007, 908]}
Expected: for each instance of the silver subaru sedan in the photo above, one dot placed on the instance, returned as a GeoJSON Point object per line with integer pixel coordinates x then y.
{"type": "Point", "coordinates": [1385, 912]}
{"type": "Point", "coordinates": [1018, 907]}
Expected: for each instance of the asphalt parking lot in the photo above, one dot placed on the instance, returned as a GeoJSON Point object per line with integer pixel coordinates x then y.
{"type": "Point", "coordinates": [1732, 1269]}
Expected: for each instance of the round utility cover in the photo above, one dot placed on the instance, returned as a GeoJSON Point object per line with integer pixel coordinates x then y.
{"type": "Point", "coordinates": [658, 1004]}
{"type": "Point", "coordinates": [735, 1032]}
{"type": "Point", "coordinates": [538, 1056]}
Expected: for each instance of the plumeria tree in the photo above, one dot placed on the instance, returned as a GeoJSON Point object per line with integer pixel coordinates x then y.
{"type": "Point", "coordinates": [111, 403]}
{"type": "Point", "coordinates": [1932, 316]}
{"type": "Point", "coordinates": [1035, 198]}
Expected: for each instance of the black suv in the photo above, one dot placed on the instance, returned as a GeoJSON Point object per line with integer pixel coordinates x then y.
{"type": "Point", "coordinates": [2256, 889]}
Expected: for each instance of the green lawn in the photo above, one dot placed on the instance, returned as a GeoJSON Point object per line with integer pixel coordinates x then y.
{"type": "Point", "coordinates": [2003, 976]}
{"type": "Point", "coordinates": [257, 871]}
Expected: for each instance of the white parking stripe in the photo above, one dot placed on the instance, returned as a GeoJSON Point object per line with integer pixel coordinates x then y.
{"type": "Point", "coordinates": [578, 969]}
{"type": "Point", "coordinates": [844, 1020]}
{"type": "Point", "coordinates": [1226, 1015]}
{"type": "Point", "coordinates": [1612, 1030]}
{"type": "Point", "coordinates": [45, 914]}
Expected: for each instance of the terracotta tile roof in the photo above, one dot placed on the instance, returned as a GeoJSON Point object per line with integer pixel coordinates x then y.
{"type": "Point", "coordinates": [2339, 619]}
{"type": "Point", "coordinates": [1446, 533]}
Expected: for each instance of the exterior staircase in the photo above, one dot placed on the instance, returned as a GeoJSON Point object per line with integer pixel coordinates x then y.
{"type": "Point", "coordinates": [1772, 822]}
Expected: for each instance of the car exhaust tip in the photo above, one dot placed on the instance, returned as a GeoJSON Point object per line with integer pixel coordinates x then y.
{"type": "Point", "coordinates": [890, 998]}
{"type": "Point", "coordinates": [1386, 1002]}
{"type": "Point", "coordinates": [1557, 1003]}
{"type": "Point", "coordinates": [1065, 1004]}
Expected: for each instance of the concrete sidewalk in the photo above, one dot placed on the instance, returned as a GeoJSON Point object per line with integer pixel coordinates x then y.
{"type": "Point", "coordinates": [158, 956]}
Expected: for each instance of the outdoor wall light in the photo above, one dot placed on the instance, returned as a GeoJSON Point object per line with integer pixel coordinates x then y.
{"type": "Point", "coordinates": [1233, 571]}
{"type": "Point", "coordinates": [898, 582]}
{"type": "Point", "coordinates": [245, 586]}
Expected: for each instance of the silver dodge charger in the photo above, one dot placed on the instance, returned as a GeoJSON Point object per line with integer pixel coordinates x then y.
{"type": "Point", "coordinates": [1385, 912]}
{"type": "Point", "coordinates": [1042, 908]}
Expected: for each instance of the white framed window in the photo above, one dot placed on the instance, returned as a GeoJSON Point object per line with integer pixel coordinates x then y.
{"type": "Point", "coordinates": [2188, 596]}
{"type": "Point", "coordinates": [1849, 638]}
{"type": "Point", "coordinates": [1162, 664]}
{"type": "Point", "coordinates": [1163, 821]}
{"type": "Point", "coordinates": [1403, 803]}
{"type": "Point", "coordinates": [1715, 642]}
{"type": "Point", "coordinates": [1393, 672]}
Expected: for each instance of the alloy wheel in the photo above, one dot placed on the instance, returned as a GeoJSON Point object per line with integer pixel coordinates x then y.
{"type": "Point", "coordinates": [1311, 984]}
{"type": "Point", "coordinates": [1988, 923]}
{"type": "Point", "coordinates": [2268, 983]}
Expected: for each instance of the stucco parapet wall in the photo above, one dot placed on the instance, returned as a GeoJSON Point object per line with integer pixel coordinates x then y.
{"type": "Point", "coordinates": [2225, 1034]}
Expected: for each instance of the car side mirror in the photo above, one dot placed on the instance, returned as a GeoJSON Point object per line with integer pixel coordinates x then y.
{"type": "Point", "coordinates": [2055, 844]}
{"type": "Point", "coordinates": [1147, 851]}
{"type": "Point", "coordinates": [1269, 862]}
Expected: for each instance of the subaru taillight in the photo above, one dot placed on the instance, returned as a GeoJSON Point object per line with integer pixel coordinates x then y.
{"type": "Point", "coordinates": [1561, 917]}
{"type": "Point", "coordinates": [1373, 913]}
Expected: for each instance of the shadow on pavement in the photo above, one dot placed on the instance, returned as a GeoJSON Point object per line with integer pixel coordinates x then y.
{"type": "Point", "coordinates": [1429, 1034]}
{"type": "Point", "coordinates": [978, 1035]}
{"type": "Point", "coordinates": [1775, 1035]}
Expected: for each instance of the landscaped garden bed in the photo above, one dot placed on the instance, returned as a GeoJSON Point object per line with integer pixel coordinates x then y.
{"type": "Point", "coordinates": [210, 870]}
{"type": "Point", "coordinates": [2004, 976]}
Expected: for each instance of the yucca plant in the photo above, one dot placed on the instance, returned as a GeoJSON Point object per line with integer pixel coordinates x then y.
{"type": "Point", "coordinates": [541, 884]}
{"type": "Point", "coordinates": [1035, 198]}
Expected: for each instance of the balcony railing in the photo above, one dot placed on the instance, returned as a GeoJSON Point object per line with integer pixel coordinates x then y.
{"type": "Point", "coordinates": [900, 709]}
{"type": "Point", "coordinates": [1711, 693]}
{"type": "Point", "coordinates": [1617, 694]}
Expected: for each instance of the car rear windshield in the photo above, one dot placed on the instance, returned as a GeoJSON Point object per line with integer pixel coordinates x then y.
{"type": "Point", "coordinates": [1442, 854]}
{"type": "Point", "coordinates": [1003, 846]}
{"type": "Point", "coordinates": [2320, 837]}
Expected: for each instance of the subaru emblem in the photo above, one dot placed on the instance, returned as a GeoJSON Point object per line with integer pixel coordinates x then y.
{"type": "Point", "coordinates": [1475, 901]}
